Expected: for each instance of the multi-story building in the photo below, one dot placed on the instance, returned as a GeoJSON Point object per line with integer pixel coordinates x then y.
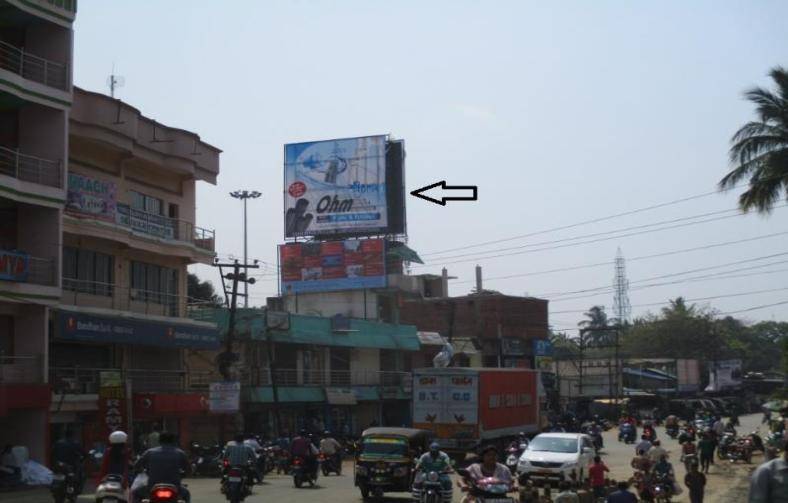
{"type": "Point", "coordinates": [129, 233]}
{"type": "Point", "coordinates": [35, 99]}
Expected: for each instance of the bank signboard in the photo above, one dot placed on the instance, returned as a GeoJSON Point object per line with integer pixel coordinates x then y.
{"type": "Point", "coordinates": [336, 187]}
{"type": "Point", "coordinates": [92, 328]}
{"type": "Point", "coordinates": [332, 265]}
{"type": "Point", "coordinates": [88, 196]}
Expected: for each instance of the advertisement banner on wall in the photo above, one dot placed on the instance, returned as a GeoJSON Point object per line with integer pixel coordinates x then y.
{"type": "Point", "coordinates": [336, 187]}
{"type": "Point", "coordinates": [91, 197]}
{"type": "Point", "coordinates": [112, 408]}
{"type": "Point", "coordinates": [14, 266]}
{"type": "Point", "coordinates": [224, 397]}
{"type": "Point", "coordinates": [146, 223]}
{"type": "Point", "coordinates": [725, 374]}
{"type": "Point", "coordinates": [333, 265]}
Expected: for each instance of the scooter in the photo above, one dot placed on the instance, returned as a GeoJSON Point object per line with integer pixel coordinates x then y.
{"type": "Point", "coordinates": [110, 490]}
{"type": "Point", "coordinates": [672, 431]}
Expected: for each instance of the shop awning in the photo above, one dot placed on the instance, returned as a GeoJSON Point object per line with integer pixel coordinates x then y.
{"type": "Point", "coordinates": [431, 339]}
{"type": "Point", "coordinates": [401, 250]}
{"type": "Point", "coordinates": [317, 330]}
{"type": "Point", "coordinates": [366, 393]}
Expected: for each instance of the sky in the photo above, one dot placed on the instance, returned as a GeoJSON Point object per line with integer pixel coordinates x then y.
{"type": "Point", "coordinates": [560, 112]}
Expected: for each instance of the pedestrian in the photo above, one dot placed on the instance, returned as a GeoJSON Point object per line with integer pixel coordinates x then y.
{"type": "Point", "coordinates": [695, 482]}
{"type": "Point", "coordinates": [706, 447]}
{"type": "Point", "coordinates": [597, 475]}
{"type": "Point", "coordinates": [153, 436]}
{"type": "Point", "coordinates": [769, 483]}
{"type": "Point", "coordinates": [566, 494]}
{"type": "Point", "coordinates": [656, 452]}
{"type": "Point", "coordinates": [621, 495]}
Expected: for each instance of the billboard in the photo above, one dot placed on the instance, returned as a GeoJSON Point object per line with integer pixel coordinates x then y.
{"type": "Point", "coordinates": [725, 374]}
{"type": "Point", "coordinates": [91, 197]}
{"type": "Point", "coordinates": [336, 187]}
{"type": "Point", "coordinates": [224, 397]}
{"type": "Point", "coordinates": [332, 265]}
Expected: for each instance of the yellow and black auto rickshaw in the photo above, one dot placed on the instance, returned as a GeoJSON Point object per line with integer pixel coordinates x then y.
{"type": "Point", "coordinates": [386, 458]}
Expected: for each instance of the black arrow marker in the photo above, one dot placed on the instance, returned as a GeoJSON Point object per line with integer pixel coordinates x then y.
{"type": "Point", "coordinates": [422, 193]}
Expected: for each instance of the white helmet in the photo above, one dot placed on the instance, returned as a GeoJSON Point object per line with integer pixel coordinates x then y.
{"type": "Point", "coordinates": [118, 437]}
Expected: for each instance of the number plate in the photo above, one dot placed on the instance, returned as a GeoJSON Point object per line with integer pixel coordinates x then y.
{"type": "Point", "coordinates": [234, 479]}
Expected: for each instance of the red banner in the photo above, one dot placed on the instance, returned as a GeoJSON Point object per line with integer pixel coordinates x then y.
{"type": "Point", "coordinates": [112, 409]}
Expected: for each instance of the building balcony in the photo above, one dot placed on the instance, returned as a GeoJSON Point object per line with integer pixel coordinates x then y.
{"type": "Point", "coordinates": [165, 228]}
{"type": "Point", "coordinates": [20, 267]}
{"type": "Point", "coordinates": [85, 381]}
{"type": "Point", "coordinates": [31, 67]}
{"type": "Point", "coordinates": [331, 378]}
{"type": "Point", "coordinates": [29, 168]}
{"type": "Point", "coordinates": [84, 293]}
{"type": "Point", "coordinates": [21, 370]}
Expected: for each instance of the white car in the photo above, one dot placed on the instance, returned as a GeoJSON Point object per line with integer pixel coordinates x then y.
{"type": "Point", "coordinates": [557, 456]}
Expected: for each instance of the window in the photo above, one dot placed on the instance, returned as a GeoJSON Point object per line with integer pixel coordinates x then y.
{"type": "Point", "coordinates": [87, 271]}
{"type": "Point", "coordinates": [156, 284]}
{"type": "Point", "coordinates": [148, 204]}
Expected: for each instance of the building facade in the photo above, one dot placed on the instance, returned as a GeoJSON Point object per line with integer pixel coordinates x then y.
{"type": "Point", "coordinates": [35, 100]}
{"type": "Point", "coordinates": [120, 336]}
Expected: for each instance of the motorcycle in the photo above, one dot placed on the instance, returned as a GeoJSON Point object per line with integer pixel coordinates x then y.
{"type": "Point", "coordinates": [302, 473]}
{"type": "Point", "coordinates": [740, 450]}
{"type": "Point", "coordinates": [236, 487]}
{"type": "Point", "coordinates": [330, 464]}
{"type": "Point", "coordinates": [65, 483]}
{"type": "Point", "coordinates": [206, 461]}
{"type": "Point", "coordinates": [248, 474]}
{"type": "Point", "coordinates": [662, 489]}
{"type": "Point", "coordinates": [725, 445]}
{"type": "Point", "coordinates": [488, 489]}
{"type": "Point", "coordinates": [672, 431]}
{"type": "Point", "coordinates": [627, 433]}
{"type": "Point", "coordinates": [110, 490]}
{"type": "Point", "coordinates": [164, 493]}
{"type": "Point", "coordinates": [512, 458]}
{"type": "Point", "coordinates": [427, 488]}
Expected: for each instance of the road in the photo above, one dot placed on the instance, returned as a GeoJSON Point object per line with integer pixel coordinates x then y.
{"type": "Point", "coordinates": [727, 483]}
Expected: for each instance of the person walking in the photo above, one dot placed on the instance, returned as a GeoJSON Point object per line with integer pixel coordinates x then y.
{"type": "Point", "coordinates": [696, 483]}
{"type": "Point", "coordinates": [597, 475]}
{"type": "Point", "coordinates": [706, 447]}
{"type": "Point", "coordinates": [769, 483]}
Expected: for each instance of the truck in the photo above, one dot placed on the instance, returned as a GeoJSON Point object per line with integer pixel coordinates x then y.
{"type": "Point", "coordinates": [465, 408]}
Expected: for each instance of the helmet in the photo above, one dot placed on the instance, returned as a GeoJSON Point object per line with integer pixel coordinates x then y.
{"type": "Point", "coordinates": [434, 446]}
{"type": "Point", "coordinates": [118, 437]}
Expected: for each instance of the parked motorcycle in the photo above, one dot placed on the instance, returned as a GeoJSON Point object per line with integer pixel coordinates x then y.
{"type": "Point", "coordinates": [725, 444]}
{"type": "Point", "coordinates": [65, 483]}
{"type": "Point", "coordinates": [111, 490]}
{"type": "Point", "coordinates": [302, 473]}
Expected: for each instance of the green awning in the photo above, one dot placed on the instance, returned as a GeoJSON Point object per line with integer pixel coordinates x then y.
{"type": "Point", "coordinates": [289, 394]}
{"type": "Point", "coordinates": [317, 330]}
{"type": "Point", "coordinates": [366, 393]}
{"type": "Point", "coordinates": [401, 250]}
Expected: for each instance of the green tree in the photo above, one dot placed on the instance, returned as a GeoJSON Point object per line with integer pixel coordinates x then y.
{"type": "Point", "coordinates": [594, 326]}
{"type": "Point", "coordinates": [201, 292]}
{"type": "Point", "coordinates": [759, 149]}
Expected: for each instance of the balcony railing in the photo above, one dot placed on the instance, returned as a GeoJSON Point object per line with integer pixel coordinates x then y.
{"type": "Point", "coordinates": [69, 5]}
{"type": "Point", "coordinates": [338, 378]}
{"type": "Point", "coordinates": [85, 380]}
{"type": "Point", "coordinates": [30, 168]}
{"type": "Point", "coordinates": [32, 67]}
{"type": "Point", "coordinates": [19, 267]}
{"type": "Point", "coordinates": [20, 370]}
{"type": "Point", "coordinates": [42, 271]}
{"type": "Point", "coordinates": [107, 295]}
{"type": "Point", "coordinates": [165, 228]}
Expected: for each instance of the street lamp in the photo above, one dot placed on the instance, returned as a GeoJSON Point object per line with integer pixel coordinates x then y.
{"type": "Point", "coordinates": [245, 195]}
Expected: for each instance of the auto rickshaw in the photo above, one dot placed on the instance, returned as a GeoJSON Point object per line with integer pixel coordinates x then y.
{"type": "Point", "coordinates": [385, 459]}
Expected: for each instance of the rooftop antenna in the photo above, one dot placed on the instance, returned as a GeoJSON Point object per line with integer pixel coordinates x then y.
{"type": "Point", "coordinates": [114, 81]}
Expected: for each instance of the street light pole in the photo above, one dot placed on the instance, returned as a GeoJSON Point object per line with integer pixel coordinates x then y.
{"type": "Point", "coordinates": [244, 195]}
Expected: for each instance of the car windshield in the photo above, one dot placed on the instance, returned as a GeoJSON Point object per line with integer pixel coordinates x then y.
{"type": "Point", "coordinates": [553, 444]}
{"type": "Point", "coordinates": [380, 446]}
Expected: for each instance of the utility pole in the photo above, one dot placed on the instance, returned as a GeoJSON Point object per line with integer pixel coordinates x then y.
{"type": "Point", "coordinates": [227, 358]}
{"type": "Point", "coordinates": [245, 195]}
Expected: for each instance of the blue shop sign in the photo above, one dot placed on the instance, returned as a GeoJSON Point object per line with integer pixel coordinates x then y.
{"type": "Point", "coordinates": [91, 328]}
{"type": "Point", "coordinates": [543, 347]}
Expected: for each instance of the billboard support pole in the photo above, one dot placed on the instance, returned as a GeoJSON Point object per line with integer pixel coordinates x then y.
{"type": "Point", "coordinates": [272, 370]}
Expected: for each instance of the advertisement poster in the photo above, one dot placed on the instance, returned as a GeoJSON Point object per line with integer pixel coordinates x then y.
{"type": "Point", "coordinates": [335, 187]}
{"type": "Point", "coordinates": [724, 374]}
{"type": "Point", "coordinates": [112, 408]}
{"type": "Point", "coordinates": [91, 197]}
{"type": "Point", "coordinates": [333, 265]}
{"type": "Point", "coordinates": [445, 399]}
{"type": "Point", "coordinates": [146, 223]}
{"type": "Point", "coordinates": [224, 397]}
{"type": "Point", "coordinates": [14, 266]}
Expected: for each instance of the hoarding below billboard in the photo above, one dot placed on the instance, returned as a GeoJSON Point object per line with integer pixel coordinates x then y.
{"type": "Point", "coordinates": [341, 187]}
{"type": "Point", "coordinates": [332, 265]}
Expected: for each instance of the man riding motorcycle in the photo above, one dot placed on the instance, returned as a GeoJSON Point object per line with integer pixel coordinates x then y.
{"type": "Point", "coordinates": [238, 453]}
{"type": "Point", "coordinates": [70, 453]}
{"type": "Point", "coordinates": [165, 464]}
{"type": "Point", "coordinates": [436, 461]}
{"type": "Point", "coordinates": [302, 447]}
{"type": "Point", "coordinates": [331, 449]}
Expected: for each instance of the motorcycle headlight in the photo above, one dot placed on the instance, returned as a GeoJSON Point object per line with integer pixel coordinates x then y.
{"type": "Point", "coordinates": [401, 471]}
{"type": "Point", "coordinates": [433, 477]}
{"type": "Point", "coordinates": [361, 470]}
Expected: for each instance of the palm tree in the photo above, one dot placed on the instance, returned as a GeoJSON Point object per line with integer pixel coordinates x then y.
{"type": "Point", "coordinates": [597, 319]}
{"type": "Point", "coordinates": [759, 149]}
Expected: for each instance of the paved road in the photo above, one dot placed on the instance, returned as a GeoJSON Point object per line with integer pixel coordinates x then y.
{"type": "Point", "coordinates": [727, 483]}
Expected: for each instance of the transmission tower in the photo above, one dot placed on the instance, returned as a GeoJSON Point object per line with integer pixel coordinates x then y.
{"type": "Point", "coordinates": [622, 310]}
